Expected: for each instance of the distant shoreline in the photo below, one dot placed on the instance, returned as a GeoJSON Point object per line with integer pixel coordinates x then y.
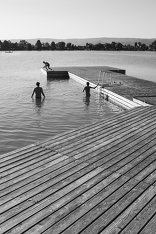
{"type": "Point", "coordinates": [83, 41]}
{"type": "Point", "coordinates": [69, 46]}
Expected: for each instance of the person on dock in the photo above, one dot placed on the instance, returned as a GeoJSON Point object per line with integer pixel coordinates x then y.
{"type": "Point", "coordinates": [87, 89]}
{"type": "Point", "coordinates": [38, 91]}
{"type": "Point", "coordinates": [47, 65]}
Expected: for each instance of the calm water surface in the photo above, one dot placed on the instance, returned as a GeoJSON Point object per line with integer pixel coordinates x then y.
{"type": "Point", "coordinates": [23, 121]}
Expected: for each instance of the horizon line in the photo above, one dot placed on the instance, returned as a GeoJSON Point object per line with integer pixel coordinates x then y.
{"type": "Point", "coordinates": [77, 38]}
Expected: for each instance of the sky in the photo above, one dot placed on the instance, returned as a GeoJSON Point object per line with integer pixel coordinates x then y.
{"type": "Point", "coordinates": [63, 19]}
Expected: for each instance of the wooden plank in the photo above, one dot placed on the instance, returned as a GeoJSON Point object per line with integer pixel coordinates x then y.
{"type": "Point", "coordinates": [80, 224]}
{"type": "Point", "coordinates": [89, 129]}
{"type": "Point", "coordinates": [149, 157]}
{"type": "Point", "coordinates": [142, 218]}
{"type": "Point", "coordinates": [138, 164]}
{"type": "Point", "coordinates": [81, 217]}
{"type": "Point", "coordinates": [97, 181]}
{"type": "Point", "coordinates": [101, 140]}
{"type": "Point", "coordinates": [105, 215]}
{"type": "Point", "coordinates": [32, 168]}
{"type": "Point", "coordinates": [45, 183]}
{"type": "Point", "coordinates": [103, 178]}
{"type": "Point", "coordinates": [44, 157]}
{"type": "Point", "coordinates": [43, 180]}
{"type": "Point", "coordinates": [152, 176]}
{"type": "Point", "coordinates": [33, 211]}
{"type": "Point", "coordinates": [114, 154]}
{"type": "Point", "coordinates": [33, 156]}
{"type": "Point", "coordinates": [101, 133]}
{"type": "Point", "coordinates": [131, 212]}
{"type": "Point", "coordinates": [115, 130]}
{"type": "Point", "coordinates": [148, 170]}
{"type": "Point", "coordinates": [15, 220]}
{"type": "Point", "coordinates": [57, 184]}
{"type": "Point", "coordinates": [125, 115]}
{"type": "Point", "coordinates": [120, 156]}
{"type": "Point", "coordinates": [29, 147]}
{"type": "Point", "coordinates": [118, 143]}
{"type": "Point", "coordinates": [6, 159]}
{"type": "Point", "coordinates": [150, 226]}
{"type": "Point", "coordinates": [18, 152]}
{"type": "Point", "coordinates": [73, 204]}
{"type": "Point", "coordinates": [40, 181]}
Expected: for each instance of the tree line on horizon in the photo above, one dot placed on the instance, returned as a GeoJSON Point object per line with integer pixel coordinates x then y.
{"type": "Point", "coordinates": [7, 45]}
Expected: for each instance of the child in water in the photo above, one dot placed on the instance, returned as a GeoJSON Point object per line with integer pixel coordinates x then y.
{"type": "Point", "coordinates": [87, 89]}
{"type": "Point", "coordinates": [38, 91]}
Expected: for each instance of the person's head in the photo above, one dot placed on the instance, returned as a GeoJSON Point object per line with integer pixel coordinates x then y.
{"type": "Point", "coordinates": [87, 83]}
{"type": "Point", "coordinates": [43, 61]}
{"type": "Point", "coordinates": [38, 84]}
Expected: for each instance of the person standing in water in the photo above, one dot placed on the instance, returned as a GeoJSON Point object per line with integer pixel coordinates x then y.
{"type": "Point", "coordinates": [87, 89]}
{"type": "Point", "coordinates": [38, 91]}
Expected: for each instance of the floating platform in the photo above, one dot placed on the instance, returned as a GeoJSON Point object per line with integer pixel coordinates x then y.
{"type": "Point", "coordinates": [51, 74]}
{"type": "Point", "coordinates": [124, 85]}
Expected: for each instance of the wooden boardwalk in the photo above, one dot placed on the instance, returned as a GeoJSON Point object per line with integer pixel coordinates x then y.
{"type": "Point", "coordinates": [99, 178]}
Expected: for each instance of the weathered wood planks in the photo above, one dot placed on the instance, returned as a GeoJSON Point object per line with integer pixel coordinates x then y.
{"type": "Point", "coordinates": [100, 178]}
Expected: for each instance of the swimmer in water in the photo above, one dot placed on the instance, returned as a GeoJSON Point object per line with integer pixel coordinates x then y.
{"type": "Point", "coordinates": [87, 89]}
{"type": "Point", "coordinates": [38, 91]}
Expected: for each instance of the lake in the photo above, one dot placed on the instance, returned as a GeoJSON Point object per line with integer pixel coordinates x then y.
{"type": "Point", "coordinates": [24, 121]}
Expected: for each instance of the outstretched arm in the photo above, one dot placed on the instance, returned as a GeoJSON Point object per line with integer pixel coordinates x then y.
{"type": "Point", "coordinates": [95, 86]}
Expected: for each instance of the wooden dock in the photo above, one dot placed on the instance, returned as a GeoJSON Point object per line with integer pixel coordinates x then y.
{"type": "Point", "coordinates": [100, 178]}
{"type": "Point", "coordinates": [131, 87]}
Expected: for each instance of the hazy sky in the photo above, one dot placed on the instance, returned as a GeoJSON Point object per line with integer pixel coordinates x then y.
{"type": "Point", "coordinates": [58, 19]}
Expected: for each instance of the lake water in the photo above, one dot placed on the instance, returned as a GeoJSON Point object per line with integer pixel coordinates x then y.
{"type": "Point", "coordinates": [23, 121]}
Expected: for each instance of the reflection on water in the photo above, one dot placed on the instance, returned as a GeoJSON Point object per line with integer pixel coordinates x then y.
{"type": "Point", "coordinates": [38, 102]}
{"type": "Point", "coordinates": [86, 100]}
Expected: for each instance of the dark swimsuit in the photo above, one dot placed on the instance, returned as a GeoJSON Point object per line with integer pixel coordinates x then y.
{"type": "Point", "coordinates": [87, 89]}
{"type": "Point", "coordinates": [38, 91]}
